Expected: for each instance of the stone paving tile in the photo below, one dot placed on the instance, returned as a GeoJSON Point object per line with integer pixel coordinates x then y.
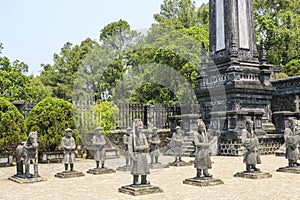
{"type": "Point", "coordinates": [280, 186]}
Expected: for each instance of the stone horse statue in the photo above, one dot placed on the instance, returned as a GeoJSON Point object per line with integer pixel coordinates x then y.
{"type": "Point", "coordinates": [28, 151]}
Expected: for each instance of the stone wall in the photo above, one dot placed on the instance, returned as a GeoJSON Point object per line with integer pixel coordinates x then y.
{"type": "Point", "coordinates": [285, 96]}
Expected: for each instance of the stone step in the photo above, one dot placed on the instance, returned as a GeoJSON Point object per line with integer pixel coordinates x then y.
{"type": "Point", "coordinates": [188, 147]}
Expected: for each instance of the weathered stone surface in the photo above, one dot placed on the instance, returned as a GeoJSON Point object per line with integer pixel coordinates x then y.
{"type": "Point", "coordinates": [253, 175]}
{"type": "Point", "coordinates": [203, 181]}
{"type": "Point", "coordinates": [25, 179]}
{"type": "Point", "coordinates": [104, 170]}
{"type": "Point", "coordinates": [69, 174]}
{"type": "Point", "coordinates": [137, 190]}
{"type": "Point", "coordinates": [158, 165]}
{"type": "Point", "coordinates": [51, 157]}
{"type": "Point", "coordinates": [124, 168]}
{"type": "Point", "coordinates": [295, 170]}
{"type": "Point", "coordinates": [181, 163]}
{"type": "Point", "coordinates": [6, 161]}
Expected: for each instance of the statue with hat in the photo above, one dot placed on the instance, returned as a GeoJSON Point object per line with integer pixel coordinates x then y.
{"type": "Point", "coordinates": [68, 144]}
{"type": "Point", "coordinates": [99, 142]}
{"type": "Point", "coordinates": [177, 140]}
{"type": "Point", "coordinates": [202, 157]}
{"type": "Point", "coordinates": [292, 142]}
{"type": "Point", "coordinates": [139, 145]}
{"type": "Point", "coordinates": [202, 154]}
{"type": "Point", "coordinates": [251, 154]}
{"type": "Point", "coordinates": [250, 142]}
{"type": "Point", "coordinates": [153, 142]}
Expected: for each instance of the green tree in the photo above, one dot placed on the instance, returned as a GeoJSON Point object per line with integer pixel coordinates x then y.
{"type": "Point", "coordinates": [104, 65]}
{"type": "Point", "coordinates": [292, 68]}
{"type": "Point", "coordinates": [119, 37]}
{"type": "Point", "coordinates": [12, 126]}
{"type": "Point", "coordinates": [41, 90]}
{"type": "Point", "coordinates": [50, 118]}
{"type": "Point", "coordinates": [176, 49]}
{"type": "Point", "coordinates": [178, 14]}
{"type": "Point", "coordinates": [14, 85]}
{"type": "Point", "coordinates": [62, 74]}
{"type": "Point", "coordinates": [175, 42]}
{"type": "Point", "coordinates": [105, 116]}
{"type": "Point", "coordinates": [278, 23]}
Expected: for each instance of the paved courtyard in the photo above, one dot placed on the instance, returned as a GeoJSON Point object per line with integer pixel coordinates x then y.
{"type": "Point", "coordinates": [280, 186]}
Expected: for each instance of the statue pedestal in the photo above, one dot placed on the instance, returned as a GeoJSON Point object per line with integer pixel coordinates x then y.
{"type": "Point", "coordinates": [295, 170]}
{"type": "Point", "coordinates": [158, 165]}
{"type": "Point", "coordinates": [23, 178]}
{"type": "Point", "coordinates": [253, 175]}
{"type": "Point", "coordinates": [203, 181]}
{"type": "Point", "coordinates": [124, 168]}
{"type": "Point", "coordinates": [69, 174]}
{"type": "Point", "coordinates": [181, 163]}
{"type": "Point", "coordinates": [137, 190]}
{"type": "Point", "coordinates": [98, 171]}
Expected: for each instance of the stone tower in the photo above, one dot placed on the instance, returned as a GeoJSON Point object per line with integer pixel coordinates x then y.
{"type": "Point", "coordinates": [234, 84]}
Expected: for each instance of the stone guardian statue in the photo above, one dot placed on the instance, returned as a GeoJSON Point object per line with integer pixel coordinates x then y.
{"type": "Point", "coordinates": [154, 149]}
{"type": "Point", "coordinates": [68, 144]}
{"type": "Point", "coordinates": [250, 142]}
{"type": "Point", "coordinates": [99, 142]}
{"type": "Point", "coordinates": [139, 147]}
{"type": "Point", "coordinates": [292, 142]}
{"type": "Point", "coordinates": [202, 154]}
{"type": "Point", "coordinates": [177, 140]}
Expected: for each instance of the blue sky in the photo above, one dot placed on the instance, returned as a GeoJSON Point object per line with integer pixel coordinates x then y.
{"type": "Point", "coordinates": [33, 30]}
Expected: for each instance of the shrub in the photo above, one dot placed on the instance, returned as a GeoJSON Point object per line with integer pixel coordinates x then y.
{"type": "Point", "coordinates": [12, 126]}
{"type": "Point", "coordinates": [50, 118]}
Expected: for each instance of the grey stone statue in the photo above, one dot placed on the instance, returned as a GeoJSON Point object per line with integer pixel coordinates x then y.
{"type": "Point", "coordinates": [127, 141]}
{"type": "Point", "coordinates": [291, 141]}
{"type": "Point", "coordinates": [68, 144]}
{"type": "Point", "coordinates": [139, 147]}
{"type": "Point", "coordinates": [153, 142]}
{"type": "Point", "coordinates": [202, 157]}
{"type": "Point", "coordinates": [99, 143]}
{"type": "Point", "coordinates": [250, 142]}
{"type": "Point", "coordinates": [177, 140]}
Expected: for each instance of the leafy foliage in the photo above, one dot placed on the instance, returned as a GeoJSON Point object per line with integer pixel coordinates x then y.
{"type": "Point", "coordinates": [101, 114]}
{"type": "Point", "coordinates": [62, 74]}
{"type": "Point", "coordinates": [14, 85]}
{"type": "Point", "coordinates": [12, 126]}
{"type": "Point", "coordinates": [178, 14]}
{"type": "Point", "coordinates": [292, 68]}
{"type": "Point", "coordinates": [278, 23]}
{"type": "Point", "coordinates": [177, 50]}
{"type": "Point", "coordinates": [50, 118]}
{"type": "Point", "coordinates": [105, 116]}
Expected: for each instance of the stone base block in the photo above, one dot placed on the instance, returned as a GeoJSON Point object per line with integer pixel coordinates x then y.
{"type": "Point", "coordinates": [104, 170]}
{"type": "Point", "coordinates": [124, 168]}
{"type": "Point", "coordinates": [203, 181]}
{"type": "Point", "coordinates": [26, 179]}
{"type": "Point", "coordinates": [180, 163]}
{"type": "Point", "coordinates": [6, 161]}
{"type": "Point", "coordinates": [137, 190]}
{"type": "Point", "coordinates": [69, 174]}
{"type": "Point", "coordinates": [253, 175]}
{"type": "Point", "coordinates": [158, 165]}
{"type": "Point", "coordinates": [295, 170]}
